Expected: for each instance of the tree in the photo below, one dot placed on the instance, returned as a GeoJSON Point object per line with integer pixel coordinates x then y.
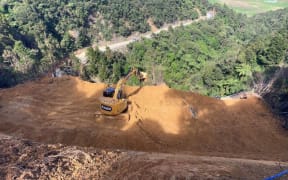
{"type": "Point", "coordinates": [244, 71]}
{"type": "Point", "coordinates": [67, 43]}
{"type": "Point", "coordinates": [116, 72]}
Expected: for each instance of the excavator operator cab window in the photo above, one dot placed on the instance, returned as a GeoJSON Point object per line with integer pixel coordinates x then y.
{"type": "Point", "coordinates": [109, 92]}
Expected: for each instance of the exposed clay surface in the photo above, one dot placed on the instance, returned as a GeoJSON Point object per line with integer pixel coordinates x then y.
{"type": "Point", "coordinates": [159, 119]}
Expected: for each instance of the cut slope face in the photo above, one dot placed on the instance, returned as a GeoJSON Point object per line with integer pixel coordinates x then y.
{"type": "Point", "coordinates": [158, 119]}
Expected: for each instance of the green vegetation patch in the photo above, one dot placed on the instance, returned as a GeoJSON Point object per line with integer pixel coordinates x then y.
{"type": "Point", "coordinates": [252, 7]}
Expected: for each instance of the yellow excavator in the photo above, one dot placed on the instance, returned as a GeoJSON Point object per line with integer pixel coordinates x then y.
{"type": "Point", "coordinates": [113, 101]}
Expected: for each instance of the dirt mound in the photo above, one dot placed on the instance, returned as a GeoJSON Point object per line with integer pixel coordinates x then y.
{"type": "Point", "coordinates": [159, 119]}
{"type": "Point", "coordinates": [23, 159]}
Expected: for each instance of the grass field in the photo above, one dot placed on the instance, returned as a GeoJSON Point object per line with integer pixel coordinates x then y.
{"type": "Point", "coordinates": [252, 7]}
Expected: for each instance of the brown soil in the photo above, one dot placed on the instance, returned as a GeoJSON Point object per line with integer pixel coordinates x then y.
{"type": "Point", "coordinates": [159, 119]}
{"type": "Point", "coordinates": [23, 159]}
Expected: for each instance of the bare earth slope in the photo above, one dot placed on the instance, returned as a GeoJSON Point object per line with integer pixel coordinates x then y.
{"type": "Point", "coordinates": [159, 119]}
{"type": "Point", "coordinates": [23, 159]}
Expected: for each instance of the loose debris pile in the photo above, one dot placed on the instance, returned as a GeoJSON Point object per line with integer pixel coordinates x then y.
{"type": "Point", "coordinates": [24, 159]}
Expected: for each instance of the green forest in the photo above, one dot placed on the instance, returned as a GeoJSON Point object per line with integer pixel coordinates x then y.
{"type": "Point", "coordinates": [217, 57]}
{"type": "Point", "coordinates": [34, 35]}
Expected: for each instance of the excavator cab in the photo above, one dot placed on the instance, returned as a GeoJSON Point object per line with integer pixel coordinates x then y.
{"type": "Point", "coordinates": [109, 92]}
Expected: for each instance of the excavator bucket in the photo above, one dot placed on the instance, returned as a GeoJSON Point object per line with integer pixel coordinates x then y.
{"type": "Point", "coordinates": [143, 76]}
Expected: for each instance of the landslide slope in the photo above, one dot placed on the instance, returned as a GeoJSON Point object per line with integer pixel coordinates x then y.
{"type": "Point", "coordinates": [159, 119]}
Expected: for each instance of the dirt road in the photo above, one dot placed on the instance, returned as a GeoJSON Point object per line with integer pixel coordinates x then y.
{"type": "Point", "coordinates": [118, 45]}
{"type": "Point", "coordinates": [160, 120]}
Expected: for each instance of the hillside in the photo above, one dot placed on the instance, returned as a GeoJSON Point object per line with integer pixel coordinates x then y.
{"type": "Point", "coordinates": [178, 125]}
{"type": "Point", "coordinates": [193, 132]}
{"type": "Point", "coordinates": [217, 57]}
{"type": "Point", "coordinates": [159, 119]}
{"type": "Point", "coordinates": [36, 35]}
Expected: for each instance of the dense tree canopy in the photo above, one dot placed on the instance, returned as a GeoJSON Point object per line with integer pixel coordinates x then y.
{"type": "Point", "coordinates": [36, 34]}
{"type": "Point", "coordinates": [216, 57]}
